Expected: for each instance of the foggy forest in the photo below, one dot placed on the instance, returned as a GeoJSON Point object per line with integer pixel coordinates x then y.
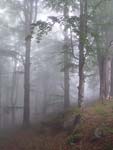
{"type": "Point", "coordinates": [56, 74]}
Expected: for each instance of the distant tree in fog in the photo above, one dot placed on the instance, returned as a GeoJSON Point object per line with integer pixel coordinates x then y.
{"type": "Point", "coordinates": [30, 15]}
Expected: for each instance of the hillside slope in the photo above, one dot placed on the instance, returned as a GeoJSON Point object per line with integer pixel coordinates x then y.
{"type": "Point", "coordinates": [94, 133]}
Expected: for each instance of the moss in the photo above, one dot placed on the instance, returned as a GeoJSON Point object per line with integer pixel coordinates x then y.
{"type": "Point", "coordinates": [74, 138]}
{"type": "Point", "coordinates": [100, 110]}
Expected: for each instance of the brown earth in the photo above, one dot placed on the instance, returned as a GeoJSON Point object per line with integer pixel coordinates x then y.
{"type": "Point", "coordinates": [97, 116]}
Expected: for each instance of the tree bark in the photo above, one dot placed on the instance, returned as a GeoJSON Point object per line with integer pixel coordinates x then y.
{"type": "Point", "coordinates": [13, 91]}
{"type": "Point", "coordinates": [105, 77]}
{"type": "Point", "coordinates": [26, 115]}
{"type": "Point", "coordinates": [102, 75]}
{"type": "Point", "coordinates": [0, 103]}
{"type": "Point", "coordinates": [108, 76]}
{"type": "Point", "coordinates": [45, 94]}
{"type": "Point", "coordinates": [30, 14]}
{"type": "Point", "coordinates": [111, 90]}
{"type": "Point", "coordinates": [82, 37]}
{"type": "Point", "coordinates": [66, 62]}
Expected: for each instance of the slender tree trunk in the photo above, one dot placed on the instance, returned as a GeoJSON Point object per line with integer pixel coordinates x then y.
{"type": "Point", "coordinates": [66, 89]}
{"type": "Point", "coordinates": [12, 99]}
{"type": "Point", "coordinates": [82, 37]}
{"type": "Point", "coordinates": [104, 73]}
{"type": "Point", "coordinates": [66, 62]}
{"type": "Point", "coordinates": [45, 86]}
{"type": "Point", "coordinates": [45, 98]}
{"type": "Point", "coordinates": [111, 90]}
{"type": "Point", "coordinates": [26, 116]}
{"type": "Point", "coordinates": [30, 14]}
{"type": "Point", "coordinates": [101, 79]}
{"type": "Point", "coordinates": [102, 69]}
{"type": "Point", "coordinates": [108, 77]}
{"type": "Point", "coordinates": [0, 101]}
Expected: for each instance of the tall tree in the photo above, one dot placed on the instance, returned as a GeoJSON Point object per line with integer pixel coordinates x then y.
{"type": "Point", "coordinates": [63, 8]}
{"type": "Point", "coordinates": [66, 60]}
{"type": "Point", "coordinates": [111, 90]}
{"type": "Point", "coordinates": [13, 87]}
{"type": "Point", "coordinates": [82, 40]}
{"type": "Point", "coordinates": [30, 14]}
{"type": "Point", "coordinates": [103, 37]}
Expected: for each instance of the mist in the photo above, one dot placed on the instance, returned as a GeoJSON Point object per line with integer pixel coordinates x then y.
{"type": "Point", "coordinates": [54, 56]}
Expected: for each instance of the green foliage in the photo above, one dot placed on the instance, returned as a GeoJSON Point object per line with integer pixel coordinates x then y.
{"type": "Point", "coordinates": [100, 110]}
{"type": "Point", "coordinates": [41, 28]}
{"type": "Point", "coordinates": [74, 138]}
{"type": "Point", "coordinates": [102, 22]}
{"type": "Point", "coordinates": [58, 5]}
{"type": "Point", "coordinates": [54, 120]}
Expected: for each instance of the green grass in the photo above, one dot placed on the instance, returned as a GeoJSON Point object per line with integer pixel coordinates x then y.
{"type": "Point", "coordinates": [102, 109]}
{"type": "Point", "coordinates": [74, 138]}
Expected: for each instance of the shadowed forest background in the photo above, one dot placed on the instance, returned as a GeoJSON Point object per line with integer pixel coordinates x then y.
{"type": "Point", "coordinates": [56, 74]}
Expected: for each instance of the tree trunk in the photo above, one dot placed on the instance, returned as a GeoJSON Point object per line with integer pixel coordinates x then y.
{"type": "Point", "coordinates": [0, 100]}
{"type": "Point", "coordinates": [30, 14]}
{"type": "Point", "coordinates": [82, 37]}
{"type": "Point", "coordinates": [104, 73]}
{"type": "Point", "coordinates": [45, 97]}
{"type": "Point", "coordinates": [26, 115]}
{"type": "Point", "coordinates": [13, 91]}
{"type": "Point", "coordinates": [66, 62]}
{"type": "Point", "coordinates": [111, 90]}
{"type": "Point", "coordinates": [66, 89]}
{"type": "Point", "coordinates": [108, 77]}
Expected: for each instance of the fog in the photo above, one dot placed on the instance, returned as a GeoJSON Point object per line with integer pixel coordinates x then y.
{"type": "Point", "coordinates": [50, 76]}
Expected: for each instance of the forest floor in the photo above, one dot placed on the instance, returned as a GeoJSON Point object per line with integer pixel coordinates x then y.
{"type": "Point", "coordinates": [96, 118]}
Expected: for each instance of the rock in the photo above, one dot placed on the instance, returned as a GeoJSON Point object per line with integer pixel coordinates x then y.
{"type": "Point", "coordinates": [98, 134]}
